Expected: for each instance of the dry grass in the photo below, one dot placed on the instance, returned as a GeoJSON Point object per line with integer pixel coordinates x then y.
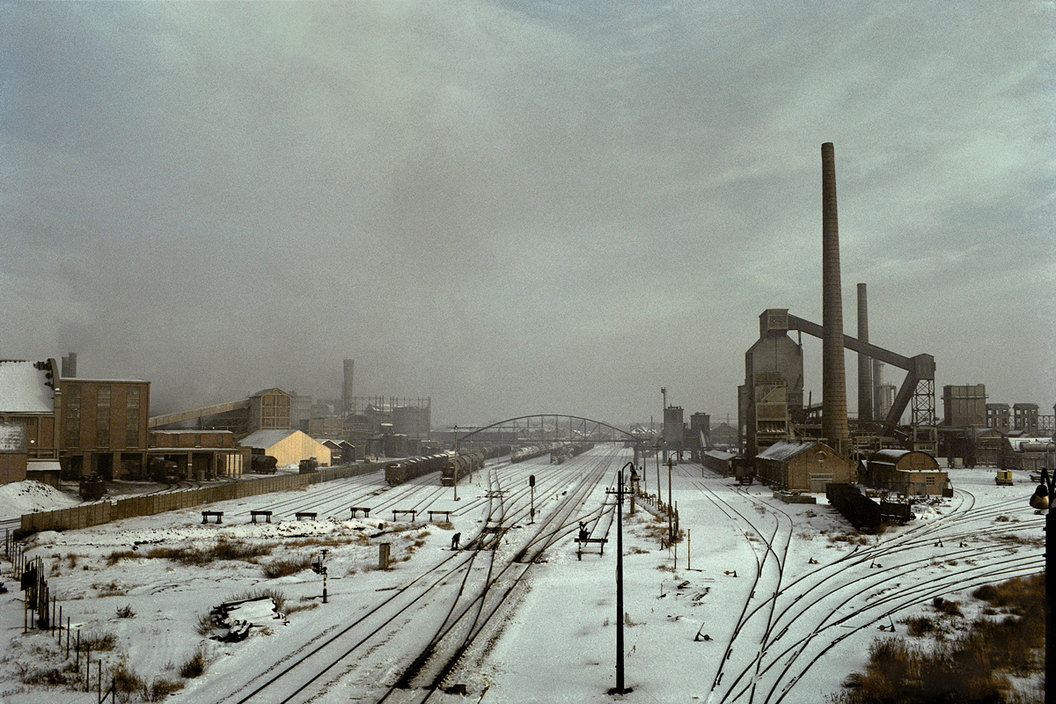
{"type": "Point", "coordinates": [223, 549]}
{"type": "Point", "coordinates": [972, 668]}
{"type": "Point", "coordinates": [286, 567]}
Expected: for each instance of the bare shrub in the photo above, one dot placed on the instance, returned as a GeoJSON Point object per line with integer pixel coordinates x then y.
{"type": "Point", "coordinates": [99, 641]}
{"type": "Point", "coordinates": [52, 677]}
{"type": "Point", "coordinates": [918, 626]}
{"type": "Point", "coordinates": [162, 687]}
{"type": "Point", "coordinates": [125, 611]}
{"type": "Point", "coordinates": [194, 666]}
{"type": "Point", "coordinates": [277, 597]}
{"type": "Point", "coordinates": [127, 681]}
{"type": "Point", "coordinates": [950, 608]}
{"type": "Point", "coordinates": [286, 567]}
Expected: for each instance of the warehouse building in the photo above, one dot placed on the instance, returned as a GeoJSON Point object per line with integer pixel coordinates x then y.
{"type": "Point", "coordinates": [803, 466]}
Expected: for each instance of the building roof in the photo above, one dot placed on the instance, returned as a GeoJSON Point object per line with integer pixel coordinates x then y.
{"type": "Point", "coordinates": [264, 439]}
{"type": "Point", "coordinates": [785, 450]}
{"type": "Point", "coordinates": [1018, 443]}
{"type": "Point", "coordinates": [719, 454]}
{"type": "Point", "coordinates": [23, 388]}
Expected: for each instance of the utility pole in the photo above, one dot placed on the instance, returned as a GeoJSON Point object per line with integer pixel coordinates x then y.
{"type": "Point", "coordinates": [670, 506]}
{"type": "Point", "coordinates": [619, 492]}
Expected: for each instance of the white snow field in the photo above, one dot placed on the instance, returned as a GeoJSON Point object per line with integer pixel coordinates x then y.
{"type": "Point", "coordinates": [764, 602]}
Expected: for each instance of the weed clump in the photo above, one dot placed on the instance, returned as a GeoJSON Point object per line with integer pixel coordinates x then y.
{"type": "Point", "coordinates": [972, 668]}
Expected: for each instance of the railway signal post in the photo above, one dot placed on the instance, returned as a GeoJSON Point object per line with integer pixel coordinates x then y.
{"type": "Point", "coordinates": [531, 483]}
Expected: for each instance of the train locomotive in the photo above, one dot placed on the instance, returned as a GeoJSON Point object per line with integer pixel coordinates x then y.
{"type": "Point", "coordinates": [458, 466]}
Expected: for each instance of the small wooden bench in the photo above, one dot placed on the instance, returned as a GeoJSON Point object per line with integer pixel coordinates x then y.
{"type": "Point", "coordinates": [218, 515]}
{"type": "Point", "coordinates": [364, 509]}
{"type": "Point", "coordinates": [584, 541]}
{"type": "Point", "coordinates": [446, 515]}
{"type": "Point", "coordinates": [266, 514]}
{"type": "Point", "coordinates": [397, 511]}
{"type": "Point", "coordinates": [310, 515]}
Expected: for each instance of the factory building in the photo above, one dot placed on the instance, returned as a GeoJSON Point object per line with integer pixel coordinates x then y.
{"type": "Point", "coordinates": [197, 454]}
{"type": "Point", "coordinates": [773, 383]}
{"type": "Point", "coordinates": [964, 406]}
{"type": "Point", "coordinates": [905, 472]}
{"type": "Point", "coordinates": [803, 466]}
{"type": "Point", "coordinates": [104, 426]}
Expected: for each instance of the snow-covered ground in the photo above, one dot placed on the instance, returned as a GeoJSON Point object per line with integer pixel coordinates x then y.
{"type": "Point", "coordinates": [764, 601]}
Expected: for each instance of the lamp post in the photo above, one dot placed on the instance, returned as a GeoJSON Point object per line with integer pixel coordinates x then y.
{"type": "Point", "coordinates": [1042, 500]}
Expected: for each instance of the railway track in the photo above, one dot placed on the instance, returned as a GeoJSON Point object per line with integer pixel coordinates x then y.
{"type": "Point", "coordinates": [822, 608]}
{"type": "Point", "coordinates": [449, 607]}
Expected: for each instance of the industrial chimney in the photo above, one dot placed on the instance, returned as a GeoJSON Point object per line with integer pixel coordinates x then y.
{"type": "Point", "coordinates": [346, 391]}
{"type": "Point", "coordinates": [833, 376]}
{"type": "Point", "coordinates": [69, 366]}
{"type": "Point", "coordinates": [865, 366]}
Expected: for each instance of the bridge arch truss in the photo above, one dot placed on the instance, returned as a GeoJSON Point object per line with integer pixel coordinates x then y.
{"type": "Point", "coordinates": [546, 427]}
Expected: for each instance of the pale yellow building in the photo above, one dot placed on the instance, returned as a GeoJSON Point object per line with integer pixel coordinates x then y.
{"type": "Point", "coordinates": [288, 447]}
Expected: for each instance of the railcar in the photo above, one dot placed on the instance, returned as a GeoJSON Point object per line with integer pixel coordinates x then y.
{"type": "Point", "coordinates": [402, 470]}
{"type": "Point", "coordinates": [263, 464]}
{"type": "Point", "coordinates": [459, 466]}
{"type": "Point", "coordinates": [860, 510]}
{"type": "Point", "coordinates": [526, 453]}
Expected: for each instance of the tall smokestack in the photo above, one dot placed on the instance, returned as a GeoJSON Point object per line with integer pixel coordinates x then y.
{"type": "Point", "coordinates": [865, 366]}
{"type": "Point", "coordinates": [833, 381]}
{"type": "Point", "coordinates": [69, 366]}
{"type": "Point", "coordinates": [878, 380]}
{"type": "Point", "coordinates": [346, 390]}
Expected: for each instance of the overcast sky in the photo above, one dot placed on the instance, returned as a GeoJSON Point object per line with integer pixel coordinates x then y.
{"type": "Point", "coordinates": [519, 207]}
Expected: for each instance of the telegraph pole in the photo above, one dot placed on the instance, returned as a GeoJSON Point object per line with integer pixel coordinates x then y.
{"type": "Point", "coordinates": [619, 492]}
{"type": "Point", "coordinates": [670, 505]}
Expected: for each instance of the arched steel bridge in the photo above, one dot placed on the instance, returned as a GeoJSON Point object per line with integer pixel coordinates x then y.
{"type": "Point", "coordinates": [552, 427]}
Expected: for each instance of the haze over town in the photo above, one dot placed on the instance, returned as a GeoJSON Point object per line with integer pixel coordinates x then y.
{"type": "Point", "coordinates": [518, 208]}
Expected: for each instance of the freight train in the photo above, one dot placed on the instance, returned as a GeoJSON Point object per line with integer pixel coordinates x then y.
{"type": "Point", "coordinates": [568, 450]}
{"type": "Point", "coordinates": [458, 466]}
{"type": "Point", "coordinates": [860, 510]}
{"type": "Point", "coordinates": [526, 453]}
{"type": "Point", "coordinates": [401, 470]}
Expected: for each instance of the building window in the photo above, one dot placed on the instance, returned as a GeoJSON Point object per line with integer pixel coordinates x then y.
{"type": "Point", "coordinates": [72, 417]}
{"type": "Point", "coordinates": [132, 409]}
{"type": "Point", "coordinates": [102, 416]}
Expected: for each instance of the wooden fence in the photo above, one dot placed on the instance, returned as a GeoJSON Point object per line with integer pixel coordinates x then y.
{"type": "Point", "coordinates": [108, 510]}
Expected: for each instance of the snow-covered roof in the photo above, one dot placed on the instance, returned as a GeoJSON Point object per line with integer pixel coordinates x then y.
{"type": "Point", "coordinates": [43, 466]}
{"type": "Point", "coordinates": [785, 450]}
{"type": "Point", "coordinates": [22, 389]}
{"type": "Point", "coordinates": [12, 437]}
{"type": "Point", "coordinates": [266, 438]}
{"type": "Point", "coordinates": [719, 454]}
{"type": "Point", "coordinates": [1018, 443]}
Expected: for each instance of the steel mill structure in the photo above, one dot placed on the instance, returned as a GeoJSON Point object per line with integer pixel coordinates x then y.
{"type": "Point", "coordinates": [771, 405]}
